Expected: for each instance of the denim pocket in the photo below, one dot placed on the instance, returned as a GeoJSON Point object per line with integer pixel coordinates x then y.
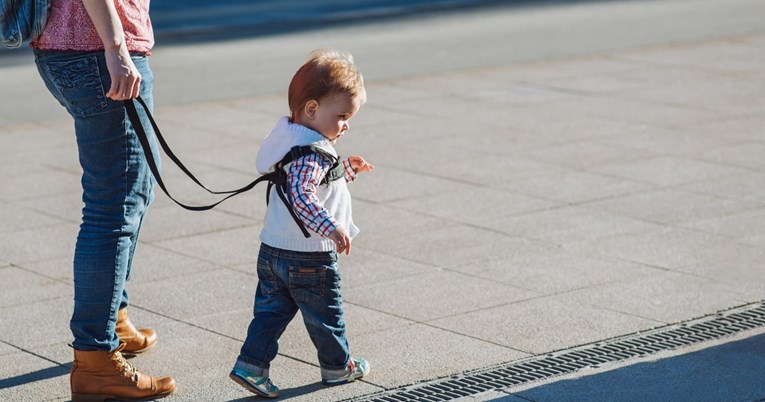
{"type": "Point", "coordinates": [266, 278]}
{"type": "Point", "coordinates": [79, 81]}
{"type": "Point", "coordinates": [307, 283]}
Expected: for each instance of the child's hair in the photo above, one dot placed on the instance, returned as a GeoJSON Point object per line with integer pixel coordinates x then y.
{"type": "Point", "coordinates": [325, 72]}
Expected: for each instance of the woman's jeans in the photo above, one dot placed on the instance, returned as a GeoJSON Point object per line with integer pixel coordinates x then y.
{"type": "Point", "coordinates": [117, 188]}
{"type": "Point", "coordinates": [289, 281]}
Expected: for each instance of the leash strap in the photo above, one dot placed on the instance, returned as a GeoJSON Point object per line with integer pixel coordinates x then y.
{"type": "Point", "coordinates": [132, 113]}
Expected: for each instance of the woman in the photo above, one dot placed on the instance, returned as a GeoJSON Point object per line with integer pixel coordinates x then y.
{"type": "Point", "coordinates": [92, 56]}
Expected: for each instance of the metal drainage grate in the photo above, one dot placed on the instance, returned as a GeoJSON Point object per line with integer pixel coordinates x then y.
{"type": "Point", "coordinates": [640, 344]}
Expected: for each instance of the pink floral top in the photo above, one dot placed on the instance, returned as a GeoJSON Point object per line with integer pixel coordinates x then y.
{"type": "Point", "coordinates": [69, 27]}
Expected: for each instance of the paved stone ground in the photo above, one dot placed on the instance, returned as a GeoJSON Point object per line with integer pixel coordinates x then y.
{"type": "Point", "coordinates": [514, 211]}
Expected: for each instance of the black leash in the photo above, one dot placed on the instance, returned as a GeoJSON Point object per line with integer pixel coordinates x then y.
{"type": "Point", "coordinates": [145, 144]}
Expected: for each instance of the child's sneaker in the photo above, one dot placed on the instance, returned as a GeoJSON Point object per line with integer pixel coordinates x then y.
{"type": "Point", "coordinates": [357, 368]}
{"type": "Point", "coordinates": [257, 385]}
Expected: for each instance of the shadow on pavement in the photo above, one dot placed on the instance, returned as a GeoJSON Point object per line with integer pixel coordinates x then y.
{"type": "Point", "coordinates": [286, 393]}
{"type": "Point", "coordinates": [35, 376]}
{"type": "Point", "coordinates": [729, 372]}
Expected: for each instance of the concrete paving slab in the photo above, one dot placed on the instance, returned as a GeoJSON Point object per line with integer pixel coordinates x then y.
{"type": "Point", "coordinates": [40, 324]}
{"type": "Point", "coordinates": [669, 116]}
{"type": "Point", "coordinates": [220, 124]}
{"type": "Point", "coordinates": [386, 187]}
{"type": "Point", "coordinates": [49, 182]}
{"type": "Point", "coordinates": [26, 377]}
{"type": "Point", "coordinates": [155, 264]}
{"type": "Point", "coordinates": [728, 57]}
{"type": "Point", "coordinates": [597, 84]}
{"type": "Point", "coordinates": [364, 268]}
{"type": "Point", "coordinates": [555, 270]}
{"type": "Point", "coordinates": [473, 204]}
{"type": "Point", "coordinates": [544, 325]}
{"type": "Point", "coordinates": [20, 287]}
{"type": "Point", "coordinates": [29, 137]}
{"type": "Point", "coordinates": [741, 271]}
{"type": "Point", "coordinates": [669, 248]}
{"type": "Point", "coordinates": [576, 187]}
{"type": "Point", "coordinates": [229, 247]}
{"type": "Point", "coordinates": [586, 154]}
{"type": "Point", "coordinates": [665, 297]}
{"type": "Point", "coordinates": [744, 187]}
{"type": "Point", "coordinates": [734, 226]}
{"type": "Point", "coordinates": [204, 293]}
{"type": "Point", "coordinates": [407, 297]}
{"type": "Point", "coordinates": [672, 207]}
{"type": "Point", "coordinates": [744, 155]}
{"type": "Point", "coordinates": [173, 223]}
{"type": "Point", "coordinates": [59, 268]}
{"type": "Point", "coordinates": [689, 141]}
{"type": "Point", "coordinates": [565, 225]}
{"type": "Point", "coordinates": [454, 245]}
{"type": "Point", "coordinates": [669, 171]}
{"type": "Point", "coordinates": [39, 244]}
{"type": "Point", "coordinates": [16, 218]}
{"type": "Point", "coordinates": [737, 129]}
{"type": "Point", "coordinates": [66, 207]}
{"type": "Point", "coordinates": [6, 349]}
{"type": "Point", "coordinates": [733, 95]}
{"type": "Point", "coordinates": [383, 221]}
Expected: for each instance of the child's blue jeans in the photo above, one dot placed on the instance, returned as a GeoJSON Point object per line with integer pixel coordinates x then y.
{"type": "Point", "coordinates": [289, 281]}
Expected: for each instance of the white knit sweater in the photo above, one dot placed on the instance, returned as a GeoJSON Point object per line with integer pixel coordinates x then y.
{"type": "Point", "coordinates": [279, 229]}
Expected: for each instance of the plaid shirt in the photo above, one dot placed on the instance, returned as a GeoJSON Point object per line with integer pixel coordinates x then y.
{"type": "Point", "coordinates": [303, 177]}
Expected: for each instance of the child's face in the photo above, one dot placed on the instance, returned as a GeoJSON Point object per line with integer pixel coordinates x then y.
{"type": "Point", "coordinates": [332, 113]}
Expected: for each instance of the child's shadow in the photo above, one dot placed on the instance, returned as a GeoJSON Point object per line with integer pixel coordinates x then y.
{"type": "Point", "coordinates": [286, 393]}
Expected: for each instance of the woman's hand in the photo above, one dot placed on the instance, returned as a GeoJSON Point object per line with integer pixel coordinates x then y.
{"type": "Point", "coordinates": [126, 80]}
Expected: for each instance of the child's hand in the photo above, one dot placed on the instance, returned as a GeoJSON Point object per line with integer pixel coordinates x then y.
{"type": "Point", "coordinates": [342, 240]}
{"type": "Point", "coordinates": [358, 164]}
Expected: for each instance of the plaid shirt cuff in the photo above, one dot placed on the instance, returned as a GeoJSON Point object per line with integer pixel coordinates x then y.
{"type": "Point", "coordinates": [350, 174]}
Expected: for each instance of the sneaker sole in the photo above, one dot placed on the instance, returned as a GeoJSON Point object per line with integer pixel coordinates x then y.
{"type": "Point", "coordinates": [341, 382]}
{"type": "Point", "coordinates": [250, 388]}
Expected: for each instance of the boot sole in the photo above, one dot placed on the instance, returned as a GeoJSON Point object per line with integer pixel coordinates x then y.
{"type": "Point", "coordinates": [109, 398]}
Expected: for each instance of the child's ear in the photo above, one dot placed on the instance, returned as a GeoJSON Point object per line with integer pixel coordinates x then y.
{"type": "Point", "coordinates": [310, 108]}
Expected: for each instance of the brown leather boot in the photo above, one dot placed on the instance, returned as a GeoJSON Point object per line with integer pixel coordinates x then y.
{"type": "Point", "coordinates": [100, 376]}
{"type": "Point", "coordinates": [136, 341]}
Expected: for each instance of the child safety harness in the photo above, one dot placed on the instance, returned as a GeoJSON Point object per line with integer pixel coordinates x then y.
{"type": "Point", "coordinates": [276, 179]}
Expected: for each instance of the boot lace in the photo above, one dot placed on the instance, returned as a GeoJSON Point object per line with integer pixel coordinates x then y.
{"type": "Point", "coordinates": [127, 369]}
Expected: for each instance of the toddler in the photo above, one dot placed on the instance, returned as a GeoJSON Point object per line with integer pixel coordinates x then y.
{"type": "Point", "coordinates": [298, 268]}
